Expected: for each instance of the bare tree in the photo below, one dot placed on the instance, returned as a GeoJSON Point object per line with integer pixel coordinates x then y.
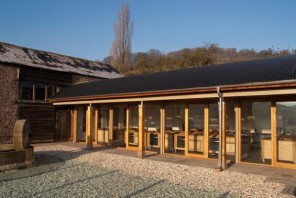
{"type": "Point", "coordinates": [122, 44]}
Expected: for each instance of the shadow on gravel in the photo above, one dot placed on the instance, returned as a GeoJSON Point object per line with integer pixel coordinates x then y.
{"type": "Point", "coordinates": [224, 195]}
{"type": "Point", "coordinates": [144, 189]}
{"type": "Point", "coordinates": [70, 183]}
{"type": "Point", "coordinates": [47, 161]}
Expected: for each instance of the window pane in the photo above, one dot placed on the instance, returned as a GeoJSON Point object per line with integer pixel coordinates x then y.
{"type": "Point", "coordinates": [133, 135]}
{"type": "Point", "coordinates": [27, 91]}
{"type": "Point", "coordinates": [50, 90]}
{"type": "Point", "coordinates": [213, 130]}
{"type": "Point", "coordinates": [103, 118]}
{"type": "Point", "coordinates": [256, 132]}
{"type": "Point", "coordinates": [40, 91]}
{"type": "Point", "coordinates": [286, 132]}
{"type": "Point", "coordinates": [196, 128]}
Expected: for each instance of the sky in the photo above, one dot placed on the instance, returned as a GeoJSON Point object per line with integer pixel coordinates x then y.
{"type": "Point", "coordinates": [84, 28]}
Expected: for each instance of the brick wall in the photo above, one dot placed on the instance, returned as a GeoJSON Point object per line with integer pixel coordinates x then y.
{"type": "Point", "coordinates": [9, 90]}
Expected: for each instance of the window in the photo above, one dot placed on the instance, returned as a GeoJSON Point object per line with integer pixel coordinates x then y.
{"type": "Point", "coordinates": [27, 91]}
{"type": "Point", "coordinates": [50, 90]}
{"type": "Point", "coordinates": [103, 118]}
{"type": "Point", "coordinates": [286, 132]}
{"type": "Point", "coordinates": [256, 132]}
{"type": "Point", "coordinates": [37, 91]}
{"type": "Point", "coordinates": [40, 91]}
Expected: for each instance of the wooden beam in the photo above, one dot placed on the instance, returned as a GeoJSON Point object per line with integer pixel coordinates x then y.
{"type": "Point", "coordinates": [208, 93]}
{"type": "Point", "coordinates": [96, 124]}
{"type": "Point", "coordinates": [74, 124]}
{"type": "Point", "coordinates": [141, 148]}
{"type": "Point", "coordinates": [111, 124]}
{"type": "Point", "coordinates": [186, 128]}
{"type": "Point", "coordinates": [206, 131]}
{"type": "Point", "coordinates": [127, 128]}
{"type": "Point", "coordinates": [162, 129]}
{"type": "Point", "coordinates": [237, 133]}
{"type": "Point", "coordinates": [274, 148]}
{"type": "Point", "coordinates": [89, 126]}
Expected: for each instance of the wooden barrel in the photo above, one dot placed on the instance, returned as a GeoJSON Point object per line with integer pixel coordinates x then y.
{"type": "Point", "coordinates": [21, 133]}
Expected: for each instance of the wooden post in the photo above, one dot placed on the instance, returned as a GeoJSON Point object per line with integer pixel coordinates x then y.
{"type": "Point", "coordinates": [141, 148]}
{"type": "Point", "coordinates": [127, 128]}
{"type": "Point", "coordinates": [206, 131]}
{"type": "Point", "coordinates": [162, 130]}
{"type": "Point", "coordinates": [274, 148]}
{"type": "Point", "coordinates": [74, 124]}
{"type": "Point", "coordinates": [224, 157]}
{"type": "Point", "coordinates": [96, 124]}
{"type": "Point", "coordinates": [237, 133]}
{"type": "Point", "coordinates": [186, 128]}
{"type": "Point", "coordinates": [89, 126]}
{"type": "Point", "coordinates": [110, 135]}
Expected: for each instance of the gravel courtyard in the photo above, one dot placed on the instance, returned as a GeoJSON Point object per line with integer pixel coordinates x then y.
{"type": "Point", "coordinates": [65, 171]}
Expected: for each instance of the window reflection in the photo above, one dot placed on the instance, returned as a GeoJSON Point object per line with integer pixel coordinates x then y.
{"type": "Point", "coordinates": [27, 91]}
{"type": "Point", "coordinates": [286, 132]}
{"type": "Point", "coordinates": [256, 132]}
{"type": "Point", "coordinates": [196, 129]}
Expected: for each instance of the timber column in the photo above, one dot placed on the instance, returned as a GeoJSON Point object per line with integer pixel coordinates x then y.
{"type": "Point", "coordinates": [141, 147]}
{"type": "Point", "coordinates": [89, 126]}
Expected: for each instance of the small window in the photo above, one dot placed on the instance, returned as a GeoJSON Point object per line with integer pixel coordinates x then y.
{"type": "Point", "coordinates": [27, 91]}
{"type": "Point", "coordinates": [40, 91]}
{"type": "Point", "coordinates": [50, 90]}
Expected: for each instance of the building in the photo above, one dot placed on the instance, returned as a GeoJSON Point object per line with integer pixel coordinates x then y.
{"type": "Point", "coordinates": [179, 112]}
{"type": "Point", "coordinates": [28, 77]}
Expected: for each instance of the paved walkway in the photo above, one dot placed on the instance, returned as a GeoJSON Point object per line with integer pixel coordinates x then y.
{"type": "Point", "coordinates": [285, 176]}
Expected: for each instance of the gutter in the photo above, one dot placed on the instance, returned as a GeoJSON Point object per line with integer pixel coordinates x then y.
{"type": "Point", "coordinates": [225, 88]}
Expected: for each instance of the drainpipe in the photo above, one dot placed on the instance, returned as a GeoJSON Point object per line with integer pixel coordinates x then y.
{"type": "Point", "coordinates": [220, 95]}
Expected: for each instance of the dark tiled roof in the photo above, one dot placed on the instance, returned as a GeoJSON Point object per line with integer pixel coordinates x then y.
{"type": "Point", "coordinates": [250, 72]}
{"type": "Point", "coordinates": [46, 60]}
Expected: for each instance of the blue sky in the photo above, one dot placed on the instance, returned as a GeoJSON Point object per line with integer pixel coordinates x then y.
{"type": "Point", "coordinates": [84, 28]}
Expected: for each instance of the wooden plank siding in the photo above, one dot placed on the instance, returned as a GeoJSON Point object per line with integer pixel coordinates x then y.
{"type": "Point", "coordinates": [45, 76]}
{"type": "Point", "coordinates": [41, 119]}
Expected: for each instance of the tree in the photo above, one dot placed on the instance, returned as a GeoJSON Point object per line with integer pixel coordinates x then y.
{"type": "Point", "coordinates": [122, 44]}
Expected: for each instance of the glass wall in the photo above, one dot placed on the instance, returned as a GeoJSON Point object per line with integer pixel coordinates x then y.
{"type": "Point", "coordinates": [213, 130]}
{"type": "Point", "coordinates": [256, 132]}
{"type": "Point", "coordinates": [196, 129]}
{"type": "Point", "coordinates": [174, 128]}
{"type": "Point", "coordinates": [286, 132]}
{"type": "Point", "coordinates": [133, 134]}
{"type": "Point", "coordinates": [81, 123]}
{"type": "Point", "coordinates": [119, 125]}
{"type": "Point", "coordinates": [230, 130]}
{"type": "Point", "coordinates": [152, 126]}
{"type": "Point", "coordinates": [103, 124]}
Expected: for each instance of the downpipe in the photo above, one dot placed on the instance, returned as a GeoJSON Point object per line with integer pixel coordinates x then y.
{"type": "Point", "coordinates": [220, 95]}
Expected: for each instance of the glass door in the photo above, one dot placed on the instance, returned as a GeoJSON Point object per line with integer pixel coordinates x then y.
{"type": "Point", "coordinates": [213, 130]}
{"type": "Point", "coordinates": [230, 131]}
{"type": "Point", "coordinates": [152, 127]}
{"type": "Point", "coordinates": [286, 132]}
{"type": "Point", "coordinates": [256, 145]}
{"type": "Point", "coordinates": [196, 129]}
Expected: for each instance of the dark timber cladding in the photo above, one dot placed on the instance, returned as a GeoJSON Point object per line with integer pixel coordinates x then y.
{"type": "Point", "coordinates": [257, 72]}
{"type": "Point", "coordinates": [28, 77]}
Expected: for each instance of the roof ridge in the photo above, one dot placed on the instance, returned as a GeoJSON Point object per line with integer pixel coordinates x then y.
{"type": "Point", "coordinates": [21, 47]}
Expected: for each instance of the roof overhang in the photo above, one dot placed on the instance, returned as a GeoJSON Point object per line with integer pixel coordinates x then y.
{"type": "Point", "coordinates": [246, 90]}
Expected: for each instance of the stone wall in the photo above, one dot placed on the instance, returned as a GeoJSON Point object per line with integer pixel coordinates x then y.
{"type": "Point", "coordinates": [9, 91]}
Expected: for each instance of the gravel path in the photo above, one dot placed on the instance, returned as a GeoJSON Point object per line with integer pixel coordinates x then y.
{"type": "Point", "coordinates": [72, 172]}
